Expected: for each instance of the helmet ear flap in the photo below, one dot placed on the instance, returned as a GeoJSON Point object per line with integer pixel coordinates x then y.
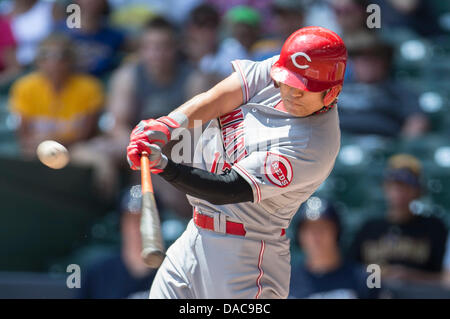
{"type": "Point", "coordinates": [332, 95]}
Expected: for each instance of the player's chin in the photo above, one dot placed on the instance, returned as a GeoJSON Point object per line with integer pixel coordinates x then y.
{"type": "Point", "coordinates": [297, 111]}
{"type": "Point", "coordinates": [304, 111]}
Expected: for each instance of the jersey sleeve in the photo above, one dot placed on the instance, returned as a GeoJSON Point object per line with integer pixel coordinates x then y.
{"type": "Point", "coordinates": [254, 76]}
{"type": "Point", "coordinates": [280, 171]}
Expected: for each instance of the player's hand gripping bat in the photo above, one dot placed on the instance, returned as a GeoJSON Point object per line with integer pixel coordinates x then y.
{"type": "Point", "coordinates": [152, 242]}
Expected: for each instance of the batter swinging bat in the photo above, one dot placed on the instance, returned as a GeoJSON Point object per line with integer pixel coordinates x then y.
{"type": "Point", "coordinates": [152, 242]}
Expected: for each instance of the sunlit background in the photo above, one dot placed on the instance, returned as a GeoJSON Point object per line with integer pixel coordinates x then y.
{"type": "Point", "coordinates": [88, 87]}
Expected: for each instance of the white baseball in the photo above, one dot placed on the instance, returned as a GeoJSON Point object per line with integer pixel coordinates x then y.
{"type": "Point", "coordinates": [53, 154]}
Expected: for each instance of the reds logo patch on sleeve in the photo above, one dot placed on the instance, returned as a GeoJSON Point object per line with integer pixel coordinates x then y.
{"type": "Point", "coordinates": [278, 170]}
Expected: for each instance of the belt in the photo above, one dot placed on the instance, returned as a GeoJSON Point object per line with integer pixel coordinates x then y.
{"type": "Point", "coordinates": [207, 222]}
{"type": "Point", "coordinates": [232, 228]}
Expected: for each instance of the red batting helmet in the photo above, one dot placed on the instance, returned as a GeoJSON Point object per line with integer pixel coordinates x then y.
{"type": "Point", "coordinates": [312, 59]}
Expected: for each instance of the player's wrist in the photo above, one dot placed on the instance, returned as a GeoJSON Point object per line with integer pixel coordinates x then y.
{"type": "Point", "coordinates": [175, 120]}
{"type": "Point", "coordinates": [162, 163]}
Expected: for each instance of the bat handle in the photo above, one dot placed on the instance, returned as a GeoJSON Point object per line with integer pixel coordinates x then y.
{"type": "Point", "coordinates": [146, 179]}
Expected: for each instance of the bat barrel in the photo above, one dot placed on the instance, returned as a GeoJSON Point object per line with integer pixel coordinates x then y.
{"type": "Point", "coordinates": [152, 258]}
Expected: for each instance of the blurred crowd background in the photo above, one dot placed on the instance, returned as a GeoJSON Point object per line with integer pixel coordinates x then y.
{"type": "Point", "coordinates": [386, 202]}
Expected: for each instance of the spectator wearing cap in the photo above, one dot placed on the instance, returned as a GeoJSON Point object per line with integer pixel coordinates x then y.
{"type": "Point", "coordinates": [371, 102]}
{"type": "Point", "coordinates": [405, 245]}
{"type": "Point", "coordinates": [325, 273]}
{"type": "Point", "coordinates": [244, 24]}
{"type": "Point", "coordinates": [262, 6]}
{"type": "Point", "coordinates": [243, 29]}
{"type": "Point", "coordinates": [288, 17]}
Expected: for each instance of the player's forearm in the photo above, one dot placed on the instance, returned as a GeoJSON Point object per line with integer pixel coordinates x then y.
{"type": "Point", "coordinates": [219, 100]}
{"type": "Point", "coordinates": [217, 189]}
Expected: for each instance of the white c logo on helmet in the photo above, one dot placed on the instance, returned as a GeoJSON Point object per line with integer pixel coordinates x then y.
{"type": "Point", "coordinates": [303, 54]}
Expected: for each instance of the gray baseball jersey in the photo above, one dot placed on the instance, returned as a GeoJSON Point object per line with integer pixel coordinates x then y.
{"type": "Point", "coordinates": [284, 158]}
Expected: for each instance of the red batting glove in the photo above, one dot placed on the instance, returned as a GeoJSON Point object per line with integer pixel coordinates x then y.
{"type": "Point", "coordinates": [157, 160]}
{"type": "Point", "coordinates": [150, 136]}
{"type": "Point", "coordinates": [153, 131]}
{"type": "Point", "coordinates": [134, 151]}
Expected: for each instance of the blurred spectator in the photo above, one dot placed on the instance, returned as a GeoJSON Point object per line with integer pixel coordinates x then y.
{"type": "Point", "coordinates": [407, 246]}
{"type": "Point", "coordinates": [416, 15]}
{"type": "Point", "coordinates": [154, 84]}
{"type": "Point", "coordinates": [9, 67]}
{"type": "Point", "coordinates": [244, 25]}
{"type": "Point", "coordinates": [123, 275]}
{"type": "Point", "coordinates": [243, 28]}
{"type": "Point", "coordinates": [350, 14]}
{"type": "Point", "coordinates": [31, 22]}
{"type": "Point", "coordinates": [97, 44]}
{"type": "Point", "coordinates": [55, 102]}
{"type": "Point", "coordinates": [371, 102]}
{"type": "Point", "coordinates": [325, 274]}
{"type": "Point", "coordinates": [201, 44]}
{"type": "Point", "coordinates": [150, 87]}
{"type": "Point", "coordinates": [351, 17]}
{"type": "Point", "coordinates": [288, 17]}
{"type": "Point", "coordinates": [201, 35]}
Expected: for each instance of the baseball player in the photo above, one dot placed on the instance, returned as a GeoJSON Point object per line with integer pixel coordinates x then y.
{"type": "Point", "coordinates": [272, 138]}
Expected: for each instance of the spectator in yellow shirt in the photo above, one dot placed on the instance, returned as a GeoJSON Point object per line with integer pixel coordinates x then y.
{"type": "Point", "coordinates": [55, 102]}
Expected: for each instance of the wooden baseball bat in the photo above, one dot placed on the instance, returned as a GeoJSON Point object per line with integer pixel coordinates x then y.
{"type": "Point", "coordinates": [152, 242]}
